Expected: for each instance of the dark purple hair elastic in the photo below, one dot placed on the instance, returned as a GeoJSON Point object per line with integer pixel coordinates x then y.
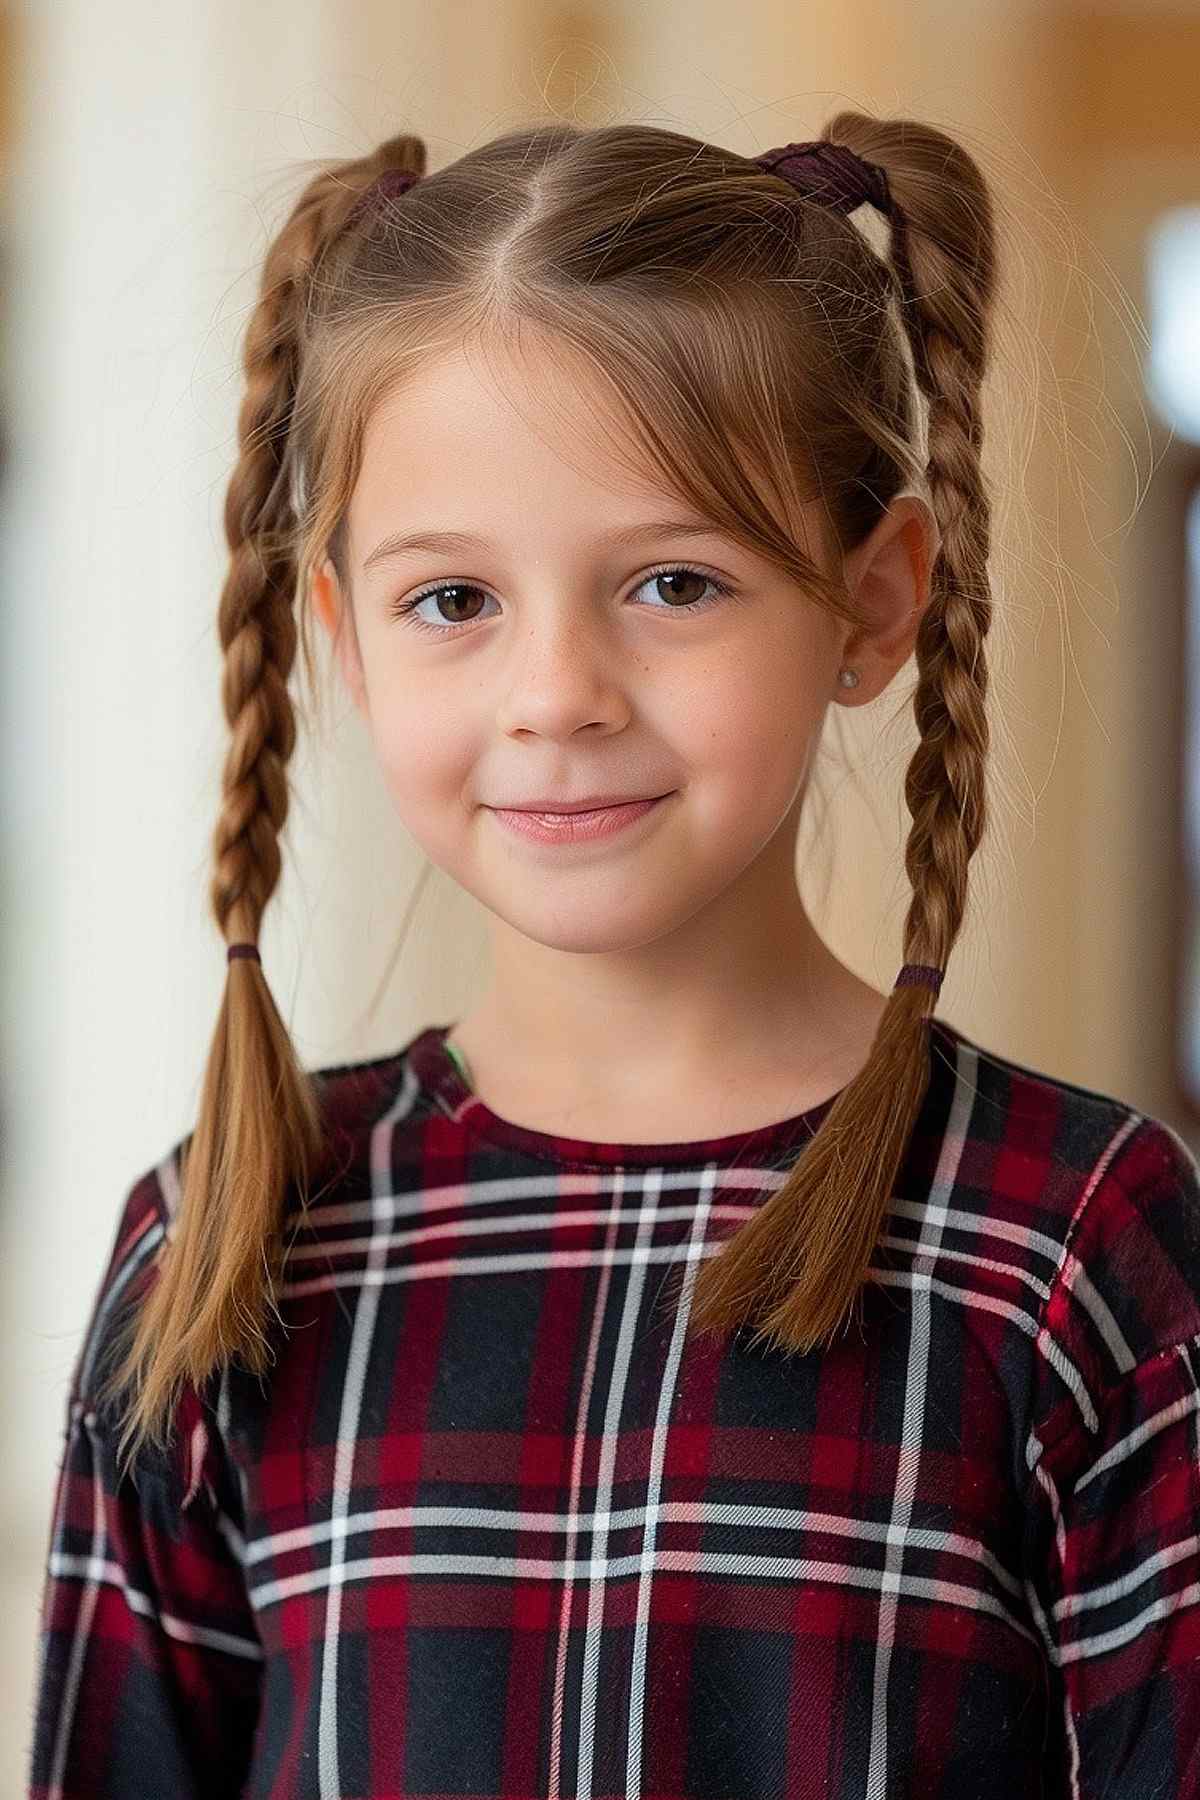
{"type": "Point", "coordinates": [912, 974]}
{"type": "Point", "coordinates": [392, 183]}
{"type": "Point", "coordinates": [832, 174]}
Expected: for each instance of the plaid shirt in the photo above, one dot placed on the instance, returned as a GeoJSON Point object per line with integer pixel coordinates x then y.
{"type": "Point", "coordinates": [491, 1527]}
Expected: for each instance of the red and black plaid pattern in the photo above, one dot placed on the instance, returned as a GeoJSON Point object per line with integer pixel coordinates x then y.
{"type": "Point", "coordinates": [490, 1526]}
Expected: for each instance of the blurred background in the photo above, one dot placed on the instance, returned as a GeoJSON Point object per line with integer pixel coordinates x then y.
{"type": "Point", "coordinates": [149, 155]}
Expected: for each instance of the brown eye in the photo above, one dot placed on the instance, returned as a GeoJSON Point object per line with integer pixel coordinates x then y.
{"type": "Point", "coordinates": [682, 587]}
{"type": "Point", "coordinates": [452, 612]}
{"type": "Point", "coordinates": [675, 583]}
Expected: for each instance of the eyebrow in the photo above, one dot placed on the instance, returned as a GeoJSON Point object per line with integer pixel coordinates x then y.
{"type": "Point", "coordinates": [457, 543]}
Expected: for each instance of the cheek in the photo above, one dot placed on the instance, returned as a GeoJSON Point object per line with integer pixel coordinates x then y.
{"type": "Point", "coordinates": [746, 726]}
{"type": "Point", "coordinates": [426, 765]}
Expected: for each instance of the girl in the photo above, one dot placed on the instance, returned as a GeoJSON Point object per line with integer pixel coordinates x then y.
{"type": "Point", "coordinates": [485, 1418]}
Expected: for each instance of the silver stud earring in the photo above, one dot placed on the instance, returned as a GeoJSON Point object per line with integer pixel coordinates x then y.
{"type": "Point", "coordinates": [848, 677]}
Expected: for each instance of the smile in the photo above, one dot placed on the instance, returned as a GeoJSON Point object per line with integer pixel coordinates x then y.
{"type": "Point", "coordinates": [579, 827]}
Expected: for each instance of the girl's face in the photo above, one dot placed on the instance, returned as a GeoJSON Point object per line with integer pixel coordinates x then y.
{"type": "Point", "coordinates": [573, 641]}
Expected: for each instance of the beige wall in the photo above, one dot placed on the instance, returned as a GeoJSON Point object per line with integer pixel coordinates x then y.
{"type": "Point", "coordinates": [1127, 147]}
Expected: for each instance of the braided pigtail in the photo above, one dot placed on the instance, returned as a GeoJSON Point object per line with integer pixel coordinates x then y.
{"type": "Point", "coordinates": [259, 1125]}
{"type": "Point", "coordinates": [800, 1262]}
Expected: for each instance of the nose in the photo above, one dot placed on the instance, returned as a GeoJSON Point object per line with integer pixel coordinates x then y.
{"type": "Point", "coordinates": [564, 676]}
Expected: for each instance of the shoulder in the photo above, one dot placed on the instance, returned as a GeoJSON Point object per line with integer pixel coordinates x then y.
{"type": "Point", "coordinates": [1107, 1198]}
{"type": "Point", "coordinates": [1127, 1288]}
{"type": "Point", "coordinates": [1070, 1148]}
{"type": "Point", "coordinates": [141, 1225]}
{"type": "Point", "coordinates": [1028, 1111]}
{"type": "Point", "coordinates": [188, 1464]}
{"type": "Point", "coordinates": [353, 1097]}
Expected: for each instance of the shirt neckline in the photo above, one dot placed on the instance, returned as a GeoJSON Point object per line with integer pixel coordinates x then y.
{"type": "Point", "coordinates": [434, 1067]}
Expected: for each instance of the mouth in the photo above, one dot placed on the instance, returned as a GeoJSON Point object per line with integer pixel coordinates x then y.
{"type": "Point", "coordinates": [590, 803]}
{"type": "Point", "coordinates": [576, 827]}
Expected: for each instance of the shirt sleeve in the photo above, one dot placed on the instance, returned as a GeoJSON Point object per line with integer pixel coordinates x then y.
{"type": "Point", "coordinates": [150, 1662]}
{"type": "Point", "coordinates": [1114, 1456]}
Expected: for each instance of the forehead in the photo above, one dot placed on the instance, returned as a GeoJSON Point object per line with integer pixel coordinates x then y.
{"type": "Point", "coordinates": [492, 429]}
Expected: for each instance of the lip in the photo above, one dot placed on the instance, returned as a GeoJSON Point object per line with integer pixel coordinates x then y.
{"type": "Point", "coordinates": [575, 827]}
{"type": "Point", "coordinates": [549, 803]}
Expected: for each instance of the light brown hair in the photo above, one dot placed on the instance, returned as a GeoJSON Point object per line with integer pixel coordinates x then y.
{"type": "Point", "coordinates": [781, 347]}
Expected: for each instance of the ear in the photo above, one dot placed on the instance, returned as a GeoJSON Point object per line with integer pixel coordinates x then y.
{"type": "Point", "coordinates": [331, 605]}
{"type": "Point", "coordinates": [888, 574]}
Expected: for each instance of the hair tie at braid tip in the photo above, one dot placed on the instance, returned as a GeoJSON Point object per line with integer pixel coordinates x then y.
{"type": "Point", "coordinates": [242, 950]}
{"type": "Point", "coordinates": [914, 974]}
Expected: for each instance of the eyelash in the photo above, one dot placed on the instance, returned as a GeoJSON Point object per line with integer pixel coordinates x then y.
{"type": "Point", "coordinates": [404, 609]}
